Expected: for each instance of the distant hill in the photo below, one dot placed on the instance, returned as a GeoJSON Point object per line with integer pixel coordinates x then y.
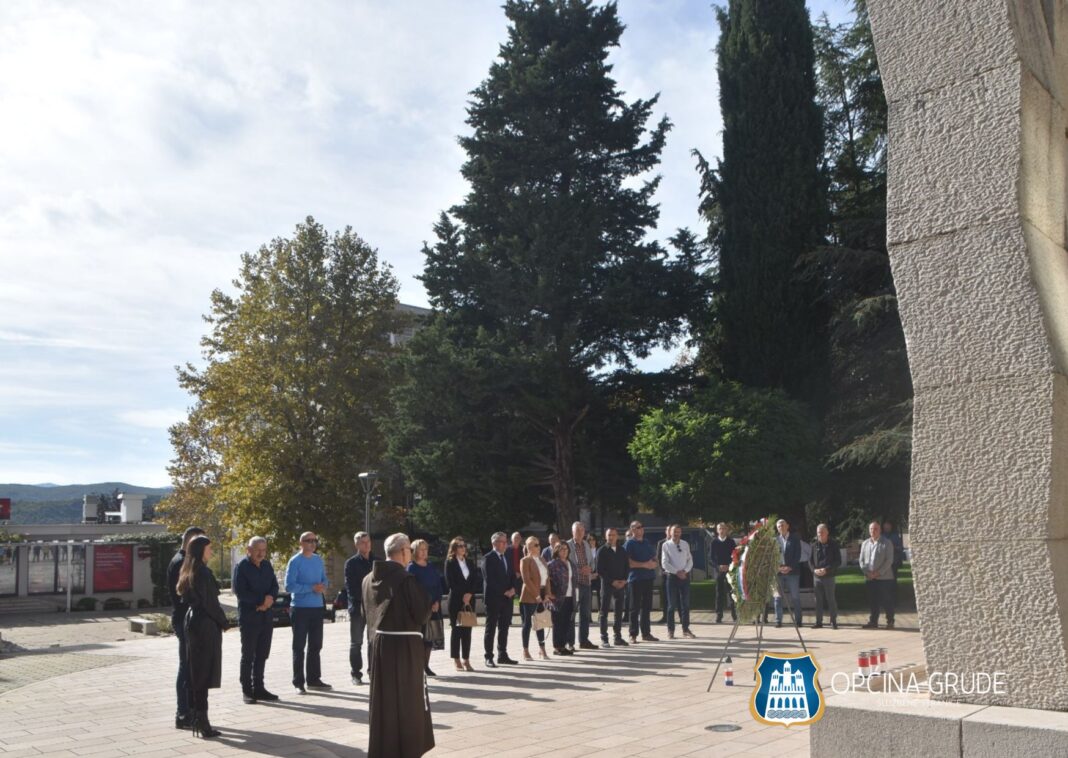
{"type": "Point", "coordinates": [62, 503]}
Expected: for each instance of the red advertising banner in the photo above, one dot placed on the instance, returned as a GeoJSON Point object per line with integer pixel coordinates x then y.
{"type": "Point", "coordinates": [113, 568]}
{"type": "Point", "coordinates": [5, 509]}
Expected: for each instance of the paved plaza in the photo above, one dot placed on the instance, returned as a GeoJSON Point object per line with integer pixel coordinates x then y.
{"type": "Point", "coordinates": [106, 692]}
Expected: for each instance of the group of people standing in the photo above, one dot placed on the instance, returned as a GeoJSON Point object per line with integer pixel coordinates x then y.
{"type": "Point", "coordinates": [396, 605]}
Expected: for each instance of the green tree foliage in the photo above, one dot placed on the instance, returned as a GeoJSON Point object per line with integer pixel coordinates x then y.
{"type": "Point", "coordinates": [729, 453]}
{"type": "Point", "coordinates": [868, 423]}
{"type": "Point", "coordinates": [765, 202]}
{"type": "Point", "coordinates": [543, 276]}
{"type": "Point", "coordinates": [295, 379]}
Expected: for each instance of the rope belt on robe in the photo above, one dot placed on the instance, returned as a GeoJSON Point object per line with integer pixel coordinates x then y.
{"type": "Point", "coordinates": [426, 691]}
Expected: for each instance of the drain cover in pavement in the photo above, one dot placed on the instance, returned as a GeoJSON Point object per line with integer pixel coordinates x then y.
{"type": "Point", "coordinates": [723, 728]}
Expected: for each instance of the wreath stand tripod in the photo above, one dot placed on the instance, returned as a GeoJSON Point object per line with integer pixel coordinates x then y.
{"type": "Point", "coordinates": [760, 620]}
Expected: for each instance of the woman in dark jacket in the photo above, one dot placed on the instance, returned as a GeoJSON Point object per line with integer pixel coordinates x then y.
{"type": "Point", "coordinates": [204, 624]}
{"type": "Point", "coordinates": [463, 584]}
{"type": "Point", "coordinates": [427, 574]}
{"type": "Point", "coordinates": [562, 588]}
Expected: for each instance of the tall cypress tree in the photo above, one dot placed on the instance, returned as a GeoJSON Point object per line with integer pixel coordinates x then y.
{"type": "Point", "coordinates": [546, 263]}
{"type": "Point", "coordinates": [767, 202]}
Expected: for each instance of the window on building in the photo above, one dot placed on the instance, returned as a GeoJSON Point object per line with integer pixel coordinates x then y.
{"type": "Point", "coordinates": [9, 570]}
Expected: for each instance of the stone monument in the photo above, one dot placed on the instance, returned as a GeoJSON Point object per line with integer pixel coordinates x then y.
{"type": "Point", "coordinates": [978, 183]}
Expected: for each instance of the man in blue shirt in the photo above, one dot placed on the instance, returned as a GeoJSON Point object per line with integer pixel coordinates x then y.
{"type": "Point", "coordinates": [356, 568]}
{"type": "Point", "coordinates": [306, 581]}
{"type": "Point", "coordinates": [256, 588]}
{"type": "Point", "coordinates": [641, 559]}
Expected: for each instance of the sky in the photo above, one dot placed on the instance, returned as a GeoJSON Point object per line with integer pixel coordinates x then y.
{"type": "Point", "coordinates": [145, 146]}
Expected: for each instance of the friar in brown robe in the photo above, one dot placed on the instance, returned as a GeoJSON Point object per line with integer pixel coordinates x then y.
{"type": "Point", "coordinates": [396, 607]}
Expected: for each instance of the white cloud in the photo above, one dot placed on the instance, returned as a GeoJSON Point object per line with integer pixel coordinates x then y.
{"type": "Point", "coordinates": [145, 147]}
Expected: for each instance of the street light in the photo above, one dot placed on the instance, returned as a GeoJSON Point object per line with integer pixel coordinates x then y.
{"type": "Point", "coordinates": [368, 480]}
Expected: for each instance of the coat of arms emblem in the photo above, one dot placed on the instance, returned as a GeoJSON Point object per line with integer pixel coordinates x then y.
{"type": "Point", "coordinates": [788, 690]}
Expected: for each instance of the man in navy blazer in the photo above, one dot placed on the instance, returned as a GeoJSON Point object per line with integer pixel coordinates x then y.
{"type": "Point", "coordinates": [789, 571]}
{"type": "Point", "coordinates": [498, 590]}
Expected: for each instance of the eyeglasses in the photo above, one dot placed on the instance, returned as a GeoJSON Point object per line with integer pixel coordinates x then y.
{"type": "Point", "coordinates": [679, 547]}
{"type": "Point", "coordinates": [460, 546]}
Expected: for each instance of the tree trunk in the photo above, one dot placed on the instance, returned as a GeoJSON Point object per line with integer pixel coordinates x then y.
{"type": "Point", "coordinates": [564, 476]}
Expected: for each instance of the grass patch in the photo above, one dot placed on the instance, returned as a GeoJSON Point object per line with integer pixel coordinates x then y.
{"type": "Point", "coordinates": [850, 591]}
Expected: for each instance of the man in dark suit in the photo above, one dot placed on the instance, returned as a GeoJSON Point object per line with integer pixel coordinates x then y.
{"type": "Point", "coordinates": [497, 592]}
{"type": "Point", "coordinates": [356, 569]}
{"type": "Point", "coordinates": [789, 571]}
{"type": "Point", "coordinates": [722, 551]}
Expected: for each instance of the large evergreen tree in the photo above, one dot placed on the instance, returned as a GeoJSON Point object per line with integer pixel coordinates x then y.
{"type": "Point", "coordinates": [766, 202]}
{"type": "Point", "coordinates": [543, 275]}
{"type": "Point", "coordinates": [868, 422]}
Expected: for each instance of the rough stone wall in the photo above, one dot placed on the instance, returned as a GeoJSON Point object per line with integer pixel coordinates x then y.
{"type": "Point", "coordinates": [977, 190]}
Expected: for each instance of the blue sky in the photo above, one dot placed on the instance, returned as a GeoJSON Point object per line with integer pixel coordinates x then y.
{"type": "Point", "coordinates": [145, 146]}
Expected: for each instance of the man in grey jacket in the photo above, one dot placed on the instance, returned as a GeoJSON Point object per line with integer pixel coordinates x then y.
{"type": "Point", "coordinates": [876, 561]}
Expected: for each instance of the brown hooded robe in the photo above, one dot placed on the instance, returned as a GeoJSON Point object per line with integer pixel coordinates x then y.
{"type": "Point", "coordinates": [394, 601]}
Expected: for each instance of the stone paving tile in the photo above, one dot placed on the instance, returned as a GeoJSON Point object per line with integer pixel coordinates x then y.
{"type": "Point", "coordinates": [643, 700]}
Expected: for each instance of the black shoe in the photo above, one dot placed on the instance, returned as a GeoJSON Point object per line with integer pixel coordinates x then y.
{"type": "Point", "coordinates": [248, 697]}
{"type": "Point", "coordinates": [202, 727]}
{"type": "Point", "coordinates": [263, 694]}
{"type": "Point", "coordinates": [870, 625]}
{"type": "Point", "coordinates": [719, 619]}
{"type": "Point", "coordinates": [320, 685]}
{"type": "Point", "coordinates": [503, 658]}
{"type": "Point", "coordinates": [834, 624]}
{"type": "Point", "coordinates": [299, 689]}
{"type": "Point", "coordinates": [428, 671]}
{"type": "Point", "coordinates": [183, 722]}
{"type": "Point", "coordinates": [490, 663]}
{"type": "Point", "coordinates": [587, 645]}
{"type": "Point", "coordinates": [818, 625]}
{"type": "Point", "coordinates": [778, 625]}
{"type": "Point", "coordinates": [650, 638]}
{"type": "Point", "coordinates": [565, 651]}
{"type": "Point", "coordinates": [890, 624]}
{"type": "Point", "coordinates": [605, 642]}
{"type": "Point", "coordinates": [357, 679]}
{"type": "Point", "coordinates": [620, 642]}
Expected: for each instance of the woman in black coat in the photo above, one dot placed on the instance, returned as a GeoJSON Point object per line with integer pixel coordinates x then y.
{"type": "Point", "coordinates": [463, 584]}
{"type": "Point", "coordinates": [204, 624]}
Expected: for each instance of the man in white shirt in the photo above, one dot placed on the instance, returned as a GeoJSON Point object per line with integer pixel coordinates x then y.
{"type": "Point", "coordinates": [677, 563]}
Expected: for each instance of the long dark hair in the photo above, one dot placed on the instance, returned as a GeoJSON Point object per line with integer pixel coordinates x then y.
{"type": "Point", "coordinates": [194, 559]}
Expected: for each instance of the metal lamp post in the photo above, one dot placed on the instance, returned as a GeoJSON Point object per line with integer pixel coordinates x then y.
{"type": "Point", "coordinates": [368, 480]}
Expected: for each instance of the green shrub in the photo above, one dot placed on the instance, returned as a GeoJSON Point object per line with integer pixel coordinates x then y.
{"type": "Point", "coordinates": [85, 604]}
{"type": "Point", "coordinates": [115, 604]}
{"type": "Point", "coordinates": [163, 622]}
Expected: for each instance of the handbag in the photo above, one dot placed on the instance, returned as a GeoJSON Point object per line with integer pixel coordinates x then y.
{"type": "Point", "coordinates": [543, 619]}
{"type": "Point", "coordinates": [434, 633]}
{"type": "Point", "coordinates": [466, 617]}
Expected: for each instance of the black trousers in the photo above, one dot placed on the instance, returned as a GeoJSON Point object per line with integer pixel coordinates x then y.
{"type": "Point", "coordinates": [256, 635]}
{"type": "Point", "coordinates": [612, 598]}
{"type": "Point", "coordinates": [459, 640]}
{"type": "Point", "coordinates": [641, 605]}
{"type": "Point", "coordinates": [723, 596]}
{"type": "Point", "coordinates": [307, 632]}
{"type": "Point", "coordinates": [182, 682]}
{"type": "Point", "coordinates": [880, 593]}
{"type": "Point", "coordinates": [198, 699]}
{"type": "Point", "coordinates": [562, 611]}
{"type": "Point", "coordinates": [498, 619]}
{"type": "Point", "coordinates": [357, 626]}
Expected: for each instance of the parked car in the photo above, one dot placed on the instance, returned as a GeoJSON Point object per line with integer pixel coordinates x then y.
{"type": "Point", "coordinates": [280, 610]}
